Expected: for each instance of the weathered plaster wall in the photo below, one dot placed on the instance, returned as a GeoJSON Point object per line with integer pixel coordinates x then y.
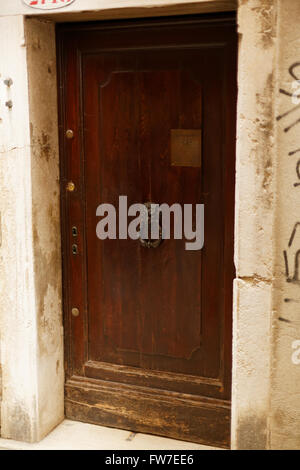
{"type": "Point", "coordinates": [30, 308]}
{"type": "Point", "coordinates": [17, 321]}
{"type": "Point", "coordinates": [41, 65]}
{"type": "Point", "coordinates": [266, 374]}
{"type": "Point", "coordinates": [285, 394]}
{"type": "Point", "coordinates": [254, 232]}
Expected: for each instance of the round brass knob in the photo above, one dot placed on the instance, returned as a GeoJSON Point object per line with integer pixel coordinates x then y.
{"type": "Point", "coordinates": [70, 186]}
{"type": "Point", "coordinates": [75, 312]}
{"type": "Point", "coordinates": [69, 134]}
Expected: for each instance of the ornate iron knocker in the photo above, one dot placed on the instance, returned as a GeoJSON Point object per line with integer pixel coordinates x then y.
{"type": "Point", "coordinates": [149, 242]}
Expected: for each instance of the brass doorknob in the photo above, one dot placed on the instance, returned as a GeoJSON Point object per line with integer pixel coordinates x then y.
{"type": "Point", "coordinates": [75, 312]}
{"type": "Point", "coordinates": [70, 186]}
{"type": "Point", "coordinates": [69, 134]}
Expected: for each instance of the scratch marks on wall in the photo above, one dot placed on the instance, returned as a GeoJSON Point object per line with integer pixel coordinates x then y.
{"type": "Point", "coordinates": [294, 263]}
{"type": "Point", "coordinates": [291, 254]}
{"type": "Point", "coordinates": [295, 96]}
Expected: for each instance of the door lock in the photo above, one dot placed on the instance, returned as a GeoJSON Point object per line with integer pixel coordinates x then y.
{"type": "Point", "coordinates": [75, 249]}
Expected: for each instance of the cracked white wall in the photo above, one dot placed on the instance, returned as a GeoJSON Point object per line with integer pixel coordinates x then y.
{"type": "Point", "coordinates": [266, 364]}
{"type": "Point", "coordinates": [31, 347]}
{"type": "Point", "coordinates": [17, 325]}
{"type": "Point", "coordinates": [254, 225]}
{"type": "Point", "coordinates": [285, 394]}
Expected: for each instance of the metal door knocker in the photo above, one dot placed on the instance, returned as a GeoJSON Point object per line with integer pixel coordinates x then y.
{"type": "Point", "coordinates": [152, 216]}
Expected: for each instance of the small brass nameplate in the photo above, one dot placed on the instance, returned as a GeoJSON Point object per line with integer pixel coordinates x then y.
{"type": "Point", "coordinates": [186, 147]}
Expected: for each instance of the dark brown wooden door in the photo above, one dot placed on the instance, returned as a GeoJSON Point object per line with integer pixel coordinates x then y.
{"type": "Point", "coordinates": [150, 347]}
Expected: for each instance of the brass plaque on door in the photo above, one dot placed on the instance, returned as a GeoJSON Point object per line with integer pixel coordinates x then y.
{"type": "Point", "coordinates": [186, 147]}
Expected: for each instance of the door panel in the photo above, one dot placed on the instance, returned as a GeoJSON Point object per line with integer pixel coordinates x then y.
{"type": "Point", "coordinates": [151, 348]}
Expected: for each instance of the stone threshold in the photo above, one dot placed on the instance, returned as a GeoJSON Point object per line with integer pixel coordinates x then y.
{"type": "Point", "coordinates": [73, 435]}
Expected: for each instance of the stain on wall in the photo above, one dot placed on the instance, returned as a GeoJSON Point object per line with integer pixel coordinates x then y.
{"type": "Point", "coordinates": [41, 55]}
{"type": "Point", "coordinates": [252, 432]}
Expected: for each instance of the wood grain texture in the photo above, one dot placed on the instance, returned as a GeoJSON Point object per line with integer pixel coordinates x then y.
{"type": "Point", "coordinates": [149, 411]}
{"type": "Point", "coordinates": [159, 318]}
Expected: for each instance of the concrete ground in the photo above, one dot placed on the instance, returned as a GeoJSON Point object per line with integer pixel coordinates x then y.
{"type": "Point", "coordinates": [73, 435]}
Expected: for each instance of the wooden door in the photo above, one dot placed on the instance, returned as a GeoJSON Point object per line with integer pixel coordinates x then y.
{"type": "Point", "coordinates": [148, 331]}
